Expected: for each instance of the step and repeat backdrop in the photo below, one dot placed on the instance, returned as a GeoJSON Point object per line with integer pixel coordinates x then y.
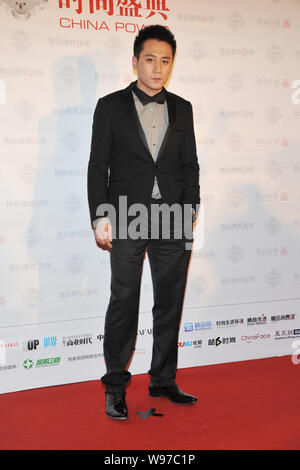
{"type": "Point", "coordinates": [238, 63]}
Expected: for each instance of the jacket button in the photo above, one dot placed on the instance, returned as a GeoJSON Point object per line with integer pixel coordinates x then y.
{"type": "Point", "coordinates": [156, 165]}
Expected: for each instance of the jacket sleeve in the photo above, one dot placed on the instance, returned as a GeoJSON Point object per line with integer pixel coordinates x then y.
{"type": "Point", "coordinates": [190, 166]}
{"type": "Point", "coordinates": [97, 175]}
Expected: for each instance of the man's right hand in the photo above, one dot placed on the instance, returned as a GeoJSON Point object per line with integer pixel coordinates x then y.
{"type": "Point", "coordinates": [103, 233]}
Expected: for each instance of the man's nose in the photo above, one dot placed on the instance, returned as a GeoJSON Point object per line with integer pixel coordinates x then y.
{"type": "Point", "coordinates": [157, 67]}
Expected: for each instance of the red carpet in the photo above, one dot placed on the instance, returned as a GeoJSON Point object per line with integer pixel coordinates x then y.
{"type": "Point", "coordinates": [242, 405]}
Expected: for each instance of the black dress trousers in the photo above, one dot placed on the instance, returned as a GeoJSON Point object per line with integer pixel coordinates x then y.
{"type": "Point", "coordinates": [169, 260]}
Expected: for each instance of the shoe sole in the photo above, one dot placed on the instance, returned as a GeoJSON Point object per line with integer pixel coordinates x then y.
{"type": "Point", "coordinates": [154, 395]}
{"type": "Point", "coordinates": [119, 419]}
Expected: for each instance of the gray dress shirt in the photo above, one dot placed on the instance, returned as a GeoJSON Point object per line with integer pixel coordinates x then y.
{"type": "Point", "coordinates": [154, 120]}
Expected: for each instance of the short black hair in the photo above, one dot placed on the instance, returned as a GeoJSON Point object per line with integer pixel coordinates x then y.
{"type": "Point", "coordinates": [155, 31]}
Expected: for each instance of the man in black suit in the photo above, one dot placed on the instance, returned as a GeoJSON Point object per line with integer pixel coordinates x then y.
{"type": "Point", "coordinates": [144, 136]}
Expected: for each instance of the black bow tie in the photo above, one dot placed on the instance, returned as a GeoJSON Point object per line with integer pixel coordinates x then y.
{"type": "Point", "coordinates": [145, 99]}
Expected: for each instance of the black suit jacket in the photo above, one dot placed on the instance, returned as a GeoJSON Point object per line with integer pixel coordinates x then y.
{"type": "Point", "coordinates": [119, 143]}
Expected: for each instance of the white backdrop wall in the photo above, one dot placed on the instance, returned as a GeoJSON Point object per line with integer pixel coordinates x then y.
{"type": "Point", "coordinates": [238, 62]}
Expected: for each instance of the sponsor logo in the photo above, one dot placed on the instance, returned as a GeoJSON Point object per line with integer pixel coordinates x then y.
{"type": "Point", "coordinates": [183, 344]}
{"type": "Point", "coordinates": [70, 234]}
{"type": "Point", "coordinates": [203, 325]}
{"type": "Point", "coordinates": [265, 142]}
{"type": "Point", "coordinates": [273, 225]}
{"type": "Point", "coordinates": [25, 111]}
{"type": "Point", "coordinates": [287, 334]}
{"type": "Point", "coordinates": [273, 114]}
{"type": "Point", "coordinates": [273, 278]}
{"type": "Point", "coordinates": [236, 52]}
{"type": "Point", "coordinates": [273, 82]}
{"type": "Point", "coordinates": [235, 142]}
{"type": "Point", "coordinates": [23, 9]}
{"type": "Point", "coordinates": [273, 170]}
{"type": "Point", "coordinates": [237, 226]}
{"type": "Point", "coordinates": [237, 170]}
{"type": "Point", "coordinates": [9, 344]}
{"type": "Point", "coordinates": [280, 251]}
{"type": "Point", "coordinates": [197, 51]}
{"type": "Point", "coordinates": [28, 364]}
{"type": "Point", "coordinates": [218, 341]}
{"type": "Point", "coordinates": [235, 21]}
{"type": "Point", "coordinates": [249, 339]}
{"type": "Point", "coordinates": [63, 295]}
{"type": "Point", "coordinates": [289, 316]}
{"type": "Point", "coordinates": [235, 253]}
{"type": "Point", "coordinates": [49, 361]}
{"type": "Point", "coordinates": [237, 280]}
{"type": "Point", "coordinates": [31, 345]}
{"type": "Point", "coordinates": [8, 367]}
{"type": "Point", "coordinates": [274, 54]}
{"type": "Point", "coordinates": [75, 264]}
{"type": "Point", "coordinates": [255, 321]}
{"type": "Point", "coordinates": [188, 327]}
{"type": "Point", "coordinates": [235, 198]}
{"type": "Point", "coordinates": [234, 82]}
{"type": "Point", "coordinates": [267, 22]}
{"type": "Point", "coordinates": [50, 342]}
{"type": "Point", "coordinates": [85, 356]}
{"type": "Point", "coordinates": [199, 18]}
{"type": "Point", "coordinates": [13, 268]}
{"type": "Point", "coordinates": [124, 8]}
{"type": "Point", "coordinates": [194, 344]}
{"type": "Point", "coordinates": [198, 326]}
{"type": "Point", "coordinates": [232, 322]}
{"type": "Point", "coordinates": [77, 340]}
{"type": "Point", "coordinates": [199, 80]}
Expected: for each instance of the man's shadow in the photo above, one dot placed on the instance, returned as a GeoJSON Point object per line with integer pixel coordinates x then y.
{"type": "Point", "coordinates": [74, 274]}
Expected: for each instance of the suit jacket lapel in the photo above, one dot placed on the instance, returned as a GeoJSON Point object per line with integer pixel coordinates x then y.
{"type": "Point", "coordinates": [172, 119]}
{"type": "Point", "coordinates": [134, 117]}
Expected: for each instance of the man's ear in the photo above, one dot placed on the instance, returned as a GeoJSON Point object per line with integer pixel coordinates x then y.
{"type": "Point", "coordinates": [134, 62]}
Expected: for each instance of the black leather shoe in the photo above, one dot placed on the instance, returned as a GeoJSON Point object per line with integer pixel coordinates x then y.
{"type": "Point", "coordinates": [116, 407]}
{"type": "Point", "coordinates": [173, 393]}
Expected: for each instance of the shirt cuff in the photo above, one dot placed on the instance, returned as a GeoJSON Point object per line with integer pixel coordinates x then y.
{"type": "Point", "coordinates": [193, 214]}
{"type": "Point", "coordinates": [101, 221]}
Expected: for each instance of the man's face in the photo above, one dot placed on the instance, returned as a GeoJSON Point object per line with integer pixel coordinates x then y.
{"type": "Point", "coordinates": [153, 66]}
